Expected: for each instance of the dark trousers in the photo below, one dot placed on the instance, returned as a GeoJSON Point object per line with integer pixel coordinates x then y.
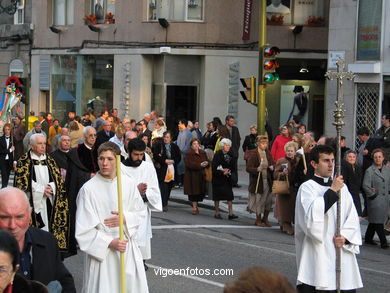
{"type": "Point", "coordinates": [165, 189]}
{"type": "Point", "coordinates": [379, 229]}
{"type": "Point", "coordinates": [304, 288]}
{"type": "Point", "coordinates": [5, 166]}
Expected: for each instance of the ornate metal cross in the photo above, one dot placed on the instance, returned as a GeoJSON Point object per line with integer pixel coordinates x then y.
{"type": "Point", "coordinates": [338, 115]}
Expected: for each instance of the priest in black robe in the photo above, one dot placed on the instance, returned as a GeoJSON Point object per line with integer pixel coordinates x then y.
{"type": "Point", "coordinates": [87, 151]}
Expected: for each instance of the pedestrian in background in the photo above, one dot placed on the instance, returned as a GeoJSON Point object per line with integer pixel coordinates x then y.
{"type": "Point", "coordinates": [6, 154]}
{"type": "Point", "coordinates": [222, 168]}
{"type": "Point", "coordinates": [376, 185]}
{"type": "Point", "coordinates": [285, 203]}
{"type": "Point", "coordinates": [284, 137]}
{"type": "Point", "coordinates": [250, 141]}
{"type": "Point", "coordinates": [194, 179]}
{"type": "Point", "coordinates": [260, 166]}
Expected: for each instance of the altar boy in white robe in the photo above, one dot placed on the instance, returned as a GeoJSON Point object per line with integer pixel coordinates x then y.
{"type": "Point", "coordinates": [145, 176]}
{"type": "Point", "coordinates": [315, 229]}
{"type": "Point", "coordinates": [97, 230]}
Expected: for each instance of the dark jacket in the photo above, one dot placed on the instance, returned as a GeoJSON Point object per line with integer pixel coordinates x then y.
{"type": "Point", "coordinates": [102, 137]}
{"type": "Point", "coordinates": [249, 142]}
{"type": "Point", "coordinates": [88, 157]}
{"type": "Point", "coordinates": [4, 151]}
{"type": "Point", "coordinates": [159, 157]}
{"type": "Point", "coordinates": [372, 144]}
{"type": "Point", "coordinates": [222, 184]}
{"type": "Point", "coordinates": [22, 285]}
{"type": "Point", "coordinates": [236, 139]}
{"type": "Point", "coordinates": [209, 140]}
{"type": "Point", "coordinates": [353, 178]}
{"type": "Point", "coordinates": [46, 261]}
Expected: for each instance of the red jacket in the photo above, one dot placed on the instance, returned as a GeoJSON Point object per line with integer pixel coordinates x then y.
{"type": "Point", "coordinates": [277, 149]}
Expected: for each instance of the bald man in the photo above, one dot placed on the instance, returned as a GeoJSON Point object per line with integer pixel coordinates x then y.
{"type": "Point", "coordinates": [40, 258]}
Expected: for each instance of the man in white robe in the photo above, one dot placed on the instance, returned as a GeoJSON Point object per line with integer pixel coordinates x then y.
{"type": "Point", "coordinates": [97, 230]}
{"type": "Point", "coordinates": [315, 229]}
{"type": "Point", "coordinates": [128, 136]}
{"type": "Point", "coordinates": [145, 176]}
{"type": "Point", "coordinates": [39, 176]}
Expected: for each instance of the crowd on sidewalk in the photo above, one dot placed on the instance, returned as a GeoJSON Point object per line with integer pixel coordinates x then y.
{"type": "Point", "coordinates": [55, 158]}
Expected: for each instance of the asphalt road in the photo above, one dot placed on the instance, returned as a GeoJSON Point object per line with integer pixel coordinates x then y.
{"type": "Point", "coordinates": [211, 252]}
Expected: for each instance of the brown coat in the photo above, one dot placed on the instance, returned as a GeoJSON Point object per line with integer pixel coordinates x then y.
{"type": "Point", "coordinates": [286, 202]}
{"type": "Point", "coordinates": [251, 167]}
{"type": "Point", "coordinates": [194, 182]}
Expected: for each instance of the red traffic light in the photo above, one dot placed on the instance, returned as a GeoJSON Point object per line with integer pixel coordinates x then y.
{"type": "Point", "coordinates": [271, 51]}
{"type": "Point", "coordinates": [271, 64]}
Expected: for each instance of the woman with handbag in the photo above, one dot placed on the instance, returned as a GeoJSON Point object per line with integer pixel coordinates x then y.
{"type": "Point", "coordinates": [195, 162]}
{"type": "Point", "coordinates": [223, 166]}
{"type": "Point", "coordinates": [166, 156]}
{"type": "Point", "coordinates": [376, 185]}
{"type": "Point", "coordinates": [285, 197]}
{"type": "Point", "coordinates": [250, 141]}
{"type": "Point", "coordinates": [260, 166]}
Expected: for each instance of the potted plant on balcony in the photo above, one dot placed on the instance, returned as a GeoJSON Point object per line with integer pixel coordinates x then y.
{"type": "Point", "coordinates": [109, 18]}
{"type": "Point", "coordinates": [315, 21]}
{"type": "Point", "coordinates": [90, 19]}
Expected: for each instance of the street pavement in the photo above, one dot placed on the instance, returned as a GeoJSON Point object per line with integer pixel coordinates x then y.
{"type": "Point", "coordinates": [211, 252]}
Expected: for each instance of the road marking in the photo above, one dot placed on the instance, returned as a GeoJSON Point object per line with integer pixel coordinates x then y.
{"type": "Point", "coordinates": [217, 284]}
{"type": "Point", "coordinates": [270, 249]}
{"type": "Point", "coordinates": [162, 227]}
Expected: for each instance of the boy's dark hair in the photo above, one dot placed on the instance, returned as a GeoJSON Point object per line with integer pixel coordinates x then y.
{"type": "Point", "coordinates": [136, 144]}
{"type": "Point", "coordinates": [183, 121]}
{"type": "Point", "coordinates": [363, 131]}
{"type": "Point", "coordinates": [318, 150]}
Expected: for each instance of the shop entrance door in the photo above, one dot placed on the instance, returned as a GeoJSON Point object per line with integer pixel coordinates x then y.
{"type": "Point", "coordinates": [181, 103]}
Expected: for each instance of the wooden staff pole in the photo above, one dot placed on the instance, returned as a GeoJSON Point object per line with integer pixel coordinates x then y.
{"type": "Point", "coordinates": [120, 213]}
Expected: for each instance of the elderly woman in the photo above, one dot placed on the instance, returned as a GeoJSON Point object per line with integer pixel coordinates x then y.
{"type": "Point", "coordinates": [250, 141]}
{"type": "Point", "coordinates": [260, 166]}
{"type": "Point", "coordinates": [284, 137]}
{"type": "Point", "coordinates": [376, 185]}
{"type": "Point", "coordinates": [222, 168]}
{"type": "Point", "coordinates": [285, 203]}
{"type": "Point", "coordinates": [166, 154]}
{"type": "Point", "coordinates": [10, 282]}
{"type": "Point", "coordinates": [194, 182]}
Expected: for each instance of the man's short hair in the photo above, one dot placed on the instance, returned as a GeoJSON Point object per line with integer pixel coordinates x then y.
{"type": "Point", "coordinates": [136, 144]}
{"type": "Point", "coordinates": [36, 123]}
{"type": "Point", "coordinates": [109, 146]}
{"type": "Point", "coordinates": [184, 121]}
{"type": "Point", "coordinates": [43, 114]}
{"type": "Point", "coordinates": [363, 131]}
{"type": "Point", "coordinates": [387, 116]}
{"type": "Point", "coordinates": [228, 117]}
{"type": "Point", "coordinates": [318, 150]}
{"type": "Point", "coordinates": [61, 136]}
{"type": "Point", "coordinates": [86, 130]}
{"type": "Point", "coordinates": [34, 136]}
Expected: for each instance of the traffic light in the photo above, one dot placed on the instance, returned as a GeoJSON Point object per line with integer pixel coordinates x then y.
{"type": "Point", "coordinates": [269, 65]}
{"type": "Point", "coordinates": [249, 95]}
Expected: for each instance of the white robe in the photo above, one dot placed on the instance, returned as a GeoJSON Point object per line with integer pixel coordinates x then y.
{"type": "Point", "coordinates": [38, 188]}
{"type": "Point", "coordinates": [146, 173]}
{"type": "Point", "coordinates": [314, 231]}
{"type": "Point", "coordinates": [95, 202]}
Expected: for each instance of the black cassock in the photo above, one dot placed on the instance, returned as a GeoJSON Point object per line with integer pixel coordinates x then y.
{"type": "Point", "coordinates": [76, 176]}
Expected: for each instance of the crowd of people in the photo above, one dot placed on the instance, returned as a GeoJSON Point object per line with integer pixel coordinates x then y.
{"type": "Point", "coordinates": [64, 170]}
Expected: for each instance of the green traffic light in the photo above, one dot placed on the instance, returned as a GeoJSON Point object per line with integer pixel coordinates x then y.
{"type": "Point", "coordinates": [271, 77]}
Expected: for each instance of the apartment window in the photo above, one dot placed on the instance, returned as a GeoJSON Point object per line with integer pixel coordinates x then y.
{"type": "Point", "coordinates": [369, 30]}
{"type": "Point", "coordinates": [63, 11]}
{"type": "Point", "coordinates": [19, 14]}
{"type": "Point", "coordinates": [176, 10]}
{"type": "Point", "coordinates": [298, 12]}
{"type": "Point", "coordinates": [104, 10]}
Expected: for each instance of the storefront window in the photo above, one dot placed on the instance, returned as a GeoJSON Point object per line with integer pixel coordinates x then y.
{"type": "Point", "coordinates": [177, 10]}
{"type": "Point", "coordinates": [298, 12]}
{"type": "Point", "coordinates": [81, 82]}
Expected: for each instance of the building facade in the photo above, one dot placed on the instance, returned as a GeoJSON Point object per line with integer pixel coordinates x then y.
{"type": "Point", "coordinates": [359, 31]}
{"type": "Point", "coordinates": [183, 58]}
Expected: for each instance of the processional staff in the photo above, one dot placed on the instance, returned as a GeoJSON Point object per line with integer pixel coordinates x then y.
{"type": "Point", "coordinates": [338, 115]}
{"type": "Point", "coordinates": [120, 214]}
